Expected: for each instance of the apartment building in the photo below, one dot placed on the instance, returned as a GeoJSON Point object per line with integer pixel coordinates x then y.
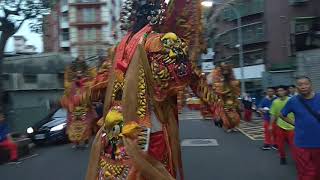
{"type": "Point", "coordinates": [85, 27]}
{"type": "Point", "coordinates": [273, 32]}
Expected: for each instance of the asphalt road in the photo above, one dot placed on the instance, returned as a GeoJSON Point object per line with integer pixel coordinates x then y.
{"type": "Point", "coordinates": [232, 157]}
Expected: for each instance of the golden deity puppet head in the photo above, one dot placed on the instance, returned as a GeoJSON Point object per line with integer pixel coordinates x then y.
{"type": "Point", "coordinates": [115, 126]}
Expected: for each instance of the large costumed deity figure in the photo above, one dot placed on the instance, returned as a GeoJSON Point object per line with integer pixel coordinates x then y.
{"type": "Point", "coordinates": [227, 88]}
{"type": "Point", "coordinates": [100, 81]}
{"type": "Point", "coordinates": [77, 102]}
{"type": "Point", "coordinates": [139, 135]}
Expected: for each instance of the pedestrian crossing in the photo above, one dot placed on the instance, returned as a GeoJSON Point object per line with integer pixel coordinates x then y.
{"type": "Point", "coordinates": [253, 129]}
{"type": "Point", "coordinates": [190, 115]}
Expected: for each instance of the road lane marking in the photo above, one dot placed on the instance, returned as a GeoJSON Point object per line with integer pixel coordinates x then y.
{"type": "Point", "coordinates": [253, 130]}
{"type": "Point", "coordinates": [29, 157]}
{"type": "Point", "coordinates": [199, 142]}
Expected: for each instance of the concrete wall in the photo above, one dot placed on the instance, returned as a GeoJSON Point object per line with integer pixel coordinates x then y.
{"type": "Point", "coordinates": [308, 63]}
{"type": "Point", "coordinates": [30, 84]}
{"type": "Point", "coordinates": [25, 108]}
{"type": "Point", "coordinates": [271, 79]}
{"type": "Point", "coordinates": [30, 72]}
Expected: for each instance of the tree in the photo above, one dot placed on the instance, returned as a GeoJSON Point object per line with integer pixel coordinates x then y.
{"type": "Point", "coordinates": [16, 12]}
{"type": "Point", "coordinates": [13, 13]}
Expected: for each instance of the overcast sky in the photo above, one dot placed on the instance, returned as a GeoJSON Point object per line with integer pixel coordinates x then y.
{"type": "Point", "coordinates": [32, 38]}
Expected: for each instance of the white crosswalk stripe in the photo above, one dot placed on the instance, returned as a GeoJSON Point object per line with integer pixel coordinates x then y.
{"type": "Point", "coordinates": [190, 115]}
{"type": "Point", "coordinates": [253, 129]}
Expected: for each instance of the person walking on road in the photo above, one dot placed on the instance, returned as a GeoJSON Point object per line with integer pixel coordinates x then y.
{"type": "Point", "coordinates": [292, 91]}
{"type": "Point", "coordinates": [306, 109]}
{"type": "Point", "coordinates": [247, 105]}
{"type": "Point", "coordinates": [284, 130]}
{"type": "Point", "coordinates": [264, 107]}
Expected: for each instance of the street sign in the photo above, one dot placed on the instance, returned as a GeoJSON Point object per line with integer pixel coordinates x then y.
{"type": "Point", "coordinates": [207, 66]}
{"type": "Point", "coordinates": [210, 54]}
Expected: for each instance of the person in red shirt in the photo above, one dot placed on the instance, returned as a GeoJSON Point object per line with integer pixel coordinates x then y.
{"type": "Point", "coordinates": [5, 139]}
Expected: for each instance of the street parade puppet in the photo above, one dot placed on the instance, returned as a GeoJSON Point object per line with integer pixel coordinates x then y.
{"type": "Point", "coordinates": [76, 101]}
{"type": "Point", "coordinates": [100, 81]}
{"type": "Point", "coordinates": [227, 89]}
{"type": "Point", "coordinates": [139, 136]}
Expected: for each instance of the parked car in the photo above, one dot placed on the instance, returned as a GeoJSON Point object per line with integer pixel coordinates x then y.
{"type": "Point", "coordinates": [51, 129]}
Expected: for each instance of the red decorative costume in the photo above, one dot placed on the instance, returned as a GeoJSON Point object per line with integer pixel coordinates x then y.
{"type": "Point", "coordinates": [77, 101]}
{"type": "Point", "coordinates": [139, 137]}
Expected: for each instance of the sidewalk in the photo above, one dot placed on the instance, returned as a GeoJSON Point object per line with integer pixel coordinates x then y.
{"type": "Point", "coordinates": [24, 149]}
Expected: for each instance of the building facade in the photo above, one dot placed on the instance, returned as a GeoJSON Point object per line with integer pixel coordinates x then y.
{"type": "Point", "coordinates": [31, 83]}
{"type": "Point", "coordinates": [273, 32]}
{"type": "Point", "coordinates": [84, 27]}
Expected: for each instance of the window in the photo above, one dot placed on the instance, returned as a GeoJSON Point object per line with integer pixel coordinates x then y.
{"type": "Point", "coordinates": [253, 33]}
{"type": "Point", "coordinates": [66, 49]}
{"type": "Point", "coordinates": [89, 34]}
{"type": "Point", "coordinates": [64, 17]}
{"type": "Point", "coordinates": [30, 78]}
{"type": "Point", "coordinates": [89, 14]}
{"type": "Point", "coordinates": [65, 34]}
{"type": "Point", "coordinates": [296, 2]}
{"type": "Point", "coordinates": [90, 51]}
{"type": "Point", "coordinates": [5, 77]}
{"type": "Point", "coordinates": [303, 24]}
{"type": "Point", "coordinates": [302, 27]}
{"type": "Point", "coordinates": [250, 58]}
{"type": "Point", "coordinates": [254, 58]}
{"type": "Point", "coordinates": [64, 2]}
{"type": "Point", "coordinates": [61, 113]}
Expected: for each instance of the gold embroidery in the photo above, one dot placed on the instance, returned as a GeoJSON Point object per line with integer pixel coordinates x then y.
{"type": "Point", "coordinates": [142, 101]}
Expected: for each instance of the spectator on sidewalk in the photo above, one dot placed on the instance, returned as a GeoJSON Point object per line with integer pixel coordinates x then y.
{"type": "Point", "coordinates": [247, 105]}
{"type": "Point", "coordinates": [284, 130]}
{"type": "Point", "coordinates": [264, 108]}
{"type": "Point", "coordinates": [306, 108]}
{"type": "Point", "coordinates": [6, 141]}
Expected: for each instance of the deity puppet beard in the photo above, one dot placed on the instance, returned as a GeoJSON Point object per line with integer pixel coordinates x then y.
{"type": "Point", "coordinates": [136, 15]}
{"type": "Point", "coordinates": [144, 16]}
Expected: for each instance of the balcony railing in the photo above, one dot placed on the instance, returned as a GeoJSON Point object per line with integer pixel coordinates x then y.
{"type": "Point", "coordinates": [88, 24]}
{"type": "Point", "coordinates": [254, 57]}
{"type": "Point", "coordinates": [65, 44]}
{"type": "Point", "coordinates": [251, 33]}
{"type": "Point", "coordinates": [245, 8]}
{"type": "Point", "coordinates": [87, 2]}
